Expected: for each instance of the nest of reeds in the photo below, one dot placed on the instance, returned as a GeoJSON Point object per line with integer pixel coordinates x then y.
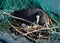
{"type": "Point", "coordinates": [34, 32]}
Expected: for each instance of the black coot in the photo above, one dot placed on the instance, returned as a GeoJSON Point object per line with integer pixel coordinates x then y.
{"type": "Point", "coordinates": [30, 14]}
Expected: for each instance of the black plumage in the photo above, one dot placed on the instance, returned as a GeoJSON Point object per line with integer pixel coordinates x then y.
{"type": "Point", "coordinates": [30, 14]}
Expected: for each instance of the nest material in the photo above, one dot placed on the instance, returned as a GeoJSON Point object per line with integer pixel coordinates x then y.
{"type": "Point", "coordinates": [34, 32]}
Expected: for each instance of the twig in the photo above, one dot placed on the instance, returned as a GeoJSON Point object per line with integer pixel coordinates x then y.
{"type": "Point", "coordinates": [8, 14]}
{"type": "Point", "coordinates": [31, 31]}
{"type": "Point", "coordinates": [22, 33]}
{"type": "Point", "coordinates": [32, 39]}
{"type": "Point", "coordinates": [15, 28]}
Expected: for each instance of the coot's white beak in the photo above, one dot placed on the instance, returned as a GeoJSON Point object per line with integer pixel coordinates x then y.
{"type": "Point", "coordinates": [37, 17]}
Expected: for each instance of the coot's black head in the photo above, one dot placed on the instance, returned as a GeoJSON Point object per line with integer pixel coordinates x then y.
{"type": "Point", "coordinates": [42, 17]}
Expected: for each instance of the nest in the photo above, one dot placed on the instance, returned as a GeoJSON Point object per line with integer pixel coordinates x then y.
{"type": "Point", "coordinates": [34, 32]}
